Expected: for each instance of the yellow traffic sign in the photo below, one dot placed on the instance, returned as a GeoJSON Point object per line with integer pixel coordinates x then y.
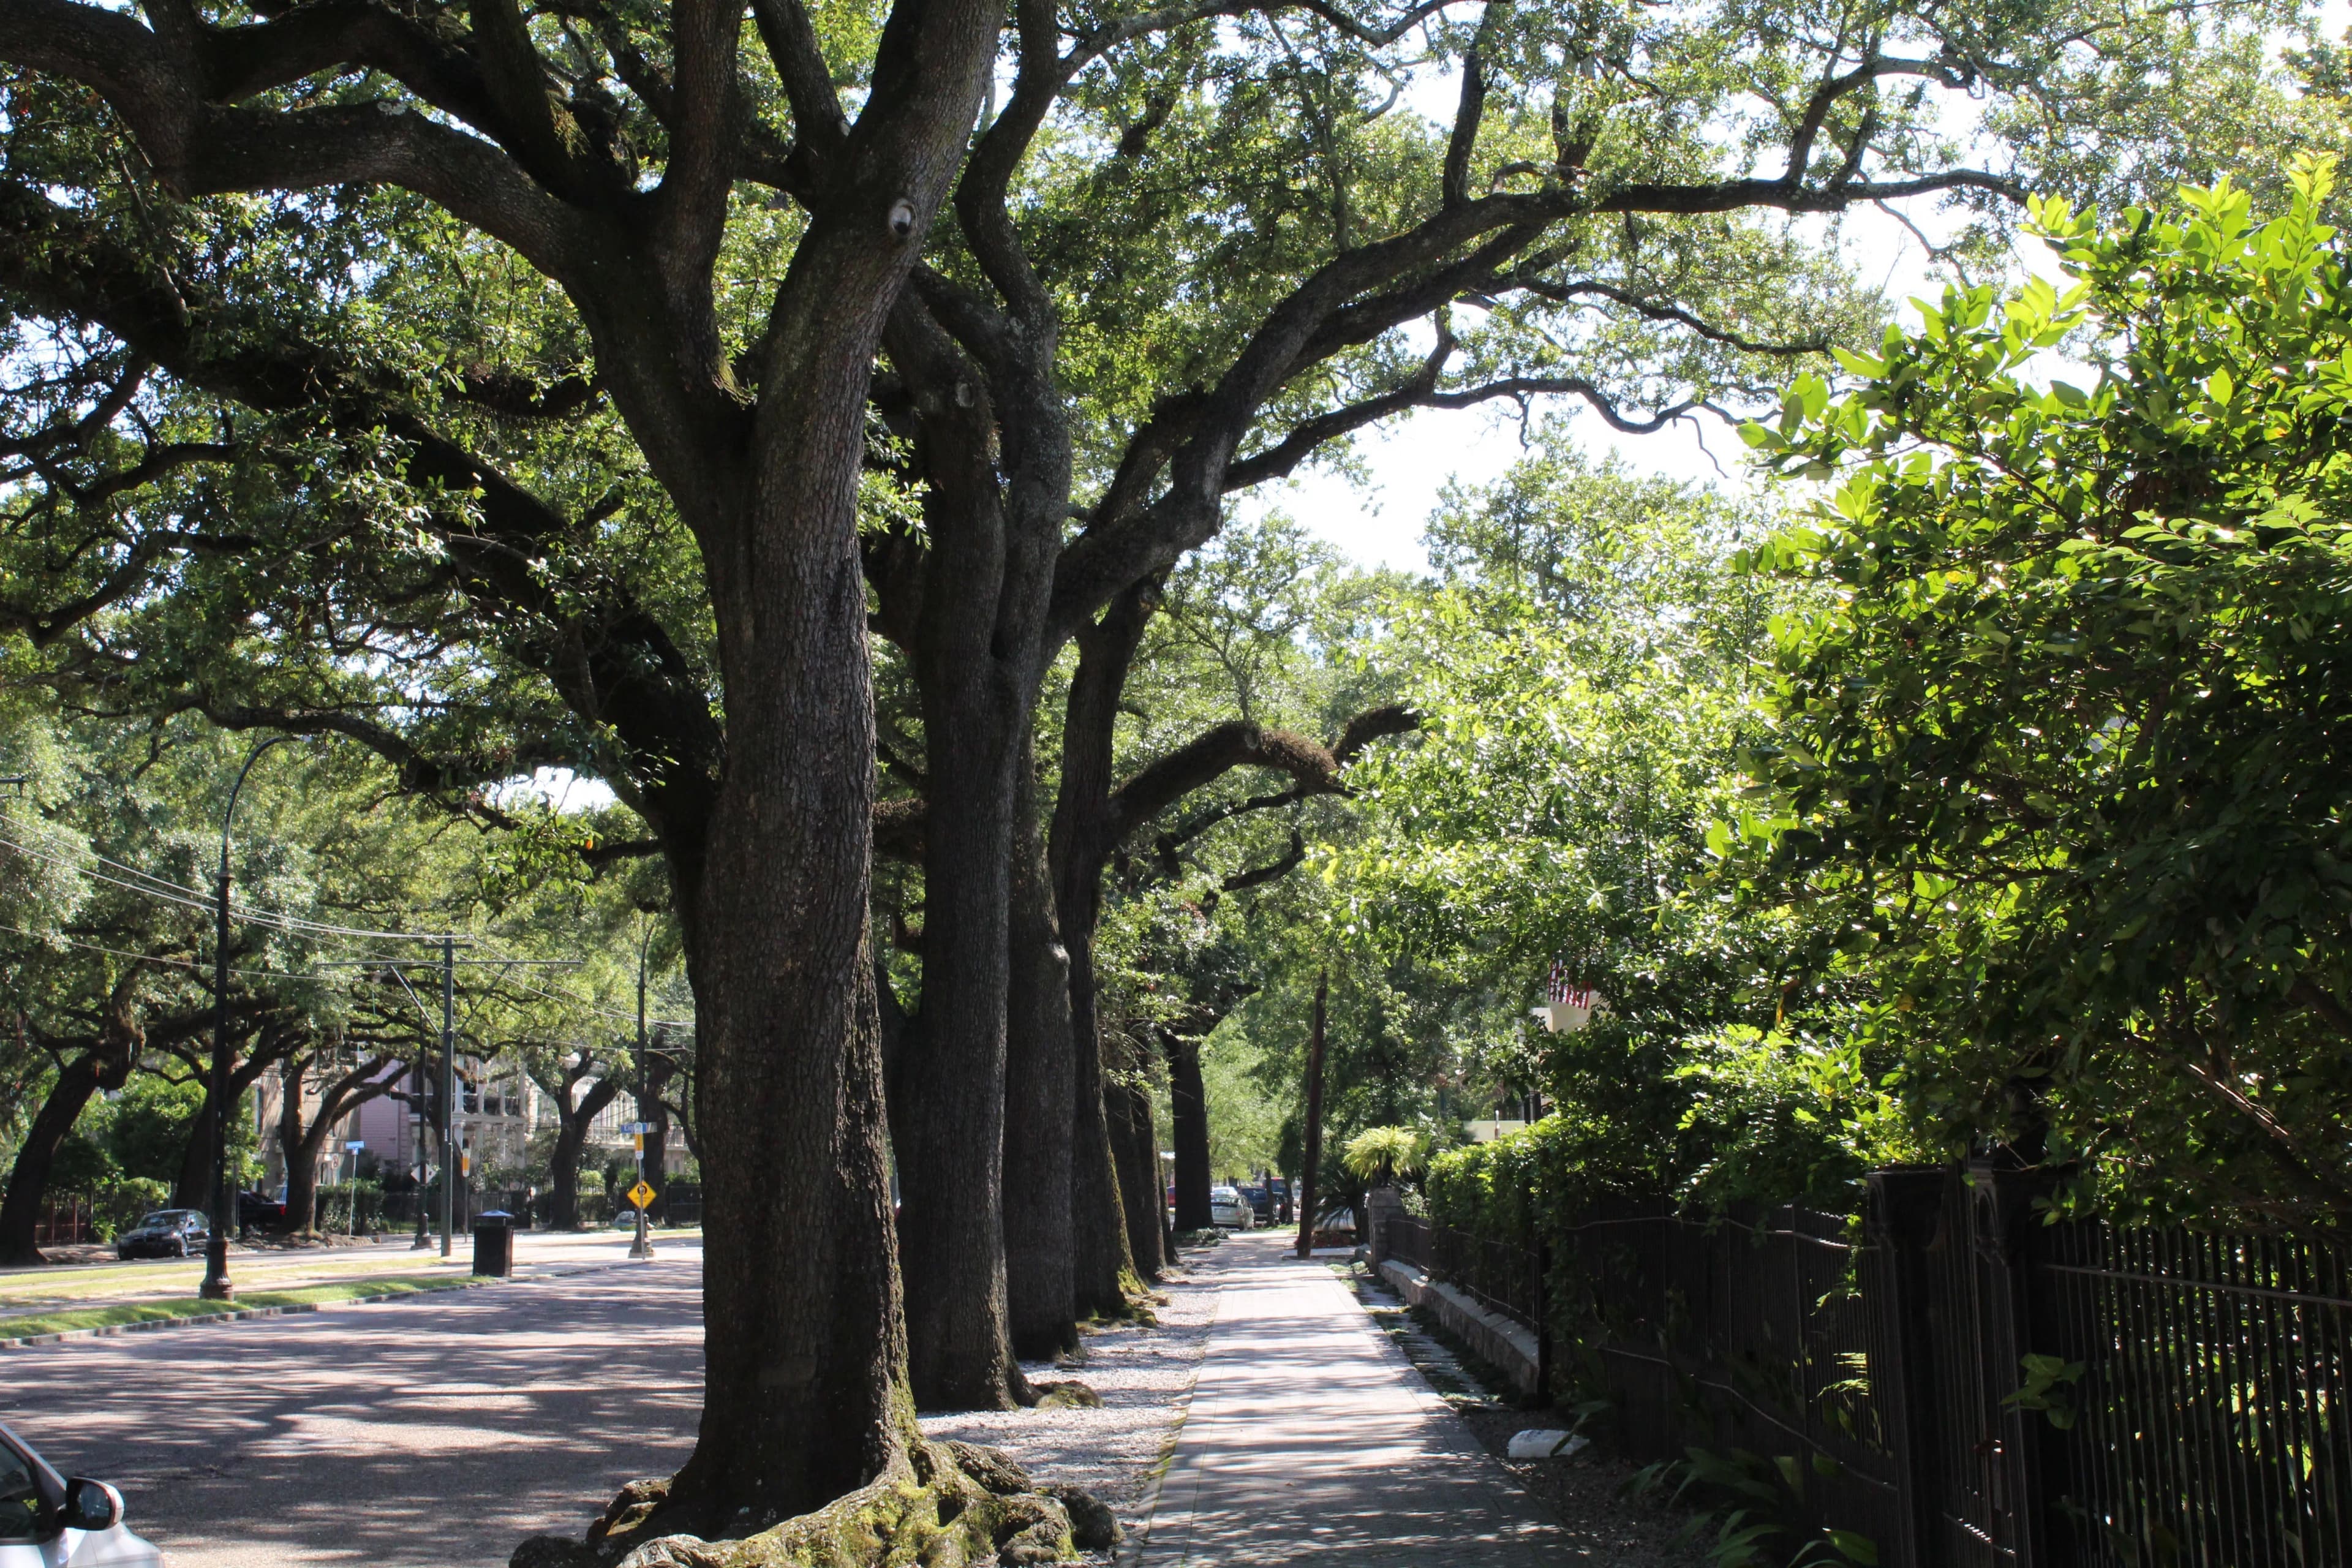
{"type": "Point", "coordinates": [641, 1195]}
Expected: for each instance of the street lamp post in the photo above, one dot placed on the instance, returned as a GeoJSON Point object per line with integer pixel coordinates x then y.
{"type": "Point", "coordinates": [643, 1246]}
{"type": "Point", "coordinates": [217, 1285]}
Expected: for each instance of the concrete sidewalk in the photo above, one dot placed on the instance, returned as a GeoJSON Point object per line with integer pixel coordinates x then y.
{"type": "Point", "coordinates": [1310, 1439]}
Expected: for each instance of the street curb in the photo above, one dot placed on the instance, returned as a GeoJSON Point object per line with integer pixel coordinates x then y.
{"type": "Point", "coordinates": [239, 1314]}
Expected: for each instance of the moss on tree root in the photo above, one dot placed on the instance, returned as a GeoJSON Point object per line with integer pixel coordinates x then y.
{"type": "Point", "coordinates": [948, 1505]}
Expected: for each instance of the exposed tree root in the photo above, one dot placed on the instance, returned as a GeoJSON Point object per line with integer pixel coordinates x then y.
{"type": "Point", "coordinates": [1137, 1300]}
{"type": "Point", "coordinates": [951, 1505]}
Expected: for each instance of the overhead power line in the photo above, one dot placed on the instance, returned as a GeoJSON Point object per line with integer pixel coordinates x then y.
{"type": "Point", "coordinates": [146, 884]}
{"type": "Point", "coordinates": [164, 891]}
{"type": "Point", "coordinates": [159, 958]}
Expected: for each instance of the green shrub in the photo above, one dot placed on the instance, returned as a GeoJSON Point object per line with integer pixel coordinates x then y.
{"type": "Point", "coordinates": [335, 1207]}
{"type": "Point", "coordinates": [117, 1205]}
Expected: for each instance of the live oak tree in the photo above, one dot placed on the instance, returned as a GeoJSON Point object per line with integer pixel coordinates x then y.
{"type": "Point", "coordinates": [1237, 633]}
{"type": "Point", "coordinates": [1189, 257]}
{"type": "Point", "coordinates": [318, 1086]}
{"type": "Point", "coordinates": [582, 1086]}
{"type": "Point", "coordinates": [755, 442]}
{"type": "Point", "coordinates": [495, 388]}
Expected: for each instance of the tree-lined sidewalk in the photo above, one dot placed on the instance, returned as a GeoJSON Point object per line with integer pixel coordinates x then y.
{"type": "Point", "coordinates": [1311, 1439]}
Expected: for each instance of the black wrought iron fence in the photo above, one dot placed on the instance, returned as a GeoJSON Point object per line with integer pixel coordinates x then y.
{"type": "Point", "coordinates": [1960, 1382]}
{"type": "Point", "coordinates": [1504, 1276]}
{"type": "Point", "coordinates": [2207, 1421]}
{"type": "Point", "coordinates": [1748, 1332]}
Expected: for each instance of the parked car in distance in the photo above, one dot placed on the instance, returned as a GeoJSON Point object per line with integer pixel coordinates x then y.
{"type": "Point", "coordinates": [260, 1209]}
{"type": "Point", "coordinates": [166, 1233]}
{"type": "Point", "coordinates": [49, 1521]}
{"type": "Point", "coordinates": [1228, 1210]}
{"type": "Point", "coordinates": [1260, 1203]}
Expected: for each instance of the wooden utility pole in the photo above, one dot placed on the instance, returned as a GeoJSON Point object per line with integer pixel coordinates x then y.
{"type": "Point", "coordinates": [1314, 1117]}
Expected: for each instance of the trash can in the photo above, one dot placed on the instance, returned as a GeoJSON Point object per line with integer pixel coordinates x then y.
{"type": "Point", "coordinates": [494, 1244]}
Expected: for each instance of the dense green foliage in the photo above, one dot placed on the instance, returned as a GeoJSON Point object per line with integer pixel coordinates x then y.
{"type": "Point", "coordinates": [2060, 764]}
{"type": "Point", "coordinates": [1585, 665]}
{"type": "Point", "coordinates": [1995, 803]}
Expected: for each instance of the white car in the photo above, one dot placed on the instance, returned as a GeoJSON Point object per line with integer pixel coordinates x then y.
{"type": "Point", "coordinates": [1228, 1210]}
{"type": "Point", "coordinates": [48, 1522]}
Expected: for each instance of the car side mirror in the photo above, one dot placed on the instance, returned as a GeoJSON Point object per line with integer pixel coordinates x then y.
{"type": "Point", "coordinates": [92, 1506]}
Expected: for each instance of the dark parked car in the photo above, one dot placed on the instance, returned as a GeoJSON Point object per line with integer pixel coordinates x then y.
{"type": "Point", "coordinates": [166, 1233]}
{"type": "Point", "coordinates": [259, 1209]}
{"type": "Point", "coordinates": [1260, 1199]}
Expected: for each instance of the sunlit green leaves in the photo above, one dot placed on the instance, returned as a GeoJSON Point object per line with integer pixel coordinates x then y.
{"type": "Point", "coordinates": [2073, 716]}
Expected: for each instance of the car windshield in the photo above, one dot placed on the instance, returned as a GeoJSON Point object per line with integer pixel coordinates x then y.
{"type": "Point", "coordinates": [1224, 1195]}
{"type": "Point", "coordinates": [165, 1218]}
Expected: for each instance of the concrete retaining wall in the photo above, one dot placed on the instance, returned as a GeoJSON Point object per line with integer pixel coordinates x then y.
{"type": "Point", "coordinates": [1491, 1336]}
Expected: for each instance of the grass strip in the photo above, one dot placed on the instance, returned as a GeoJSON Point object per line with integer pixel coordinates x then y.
{"type": "Point", "coordinates": [130, 1313]}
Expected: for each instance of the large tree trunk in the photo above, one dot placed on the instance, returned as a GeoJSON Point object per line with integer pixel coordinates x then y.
{"type": "Point", "coordinates": [1142, 1187]}
{"type": "Point", "coordinates": [1081, 843]}
{"type": "Point", "coordinates": [300, 1154]}
{"type": "Point", "coordinates": [28, 1179]}
{"type": "Point", "coordinates": [978, 653]}
{"type": "Point", "coordinates": [806, 1393]}
{"type": "Point", "coordinates": [1101, 1250]}
{"type": "Point", "coordinates": [1188, 1106]}
{"type": "Point", "coordinates": [571, 1142]}
{"type": "Point", "coordinates": [947, 1111]}
{"type": "Point", "coordinates": [1040, 1085]}
{"type": "Point", "coordinates": [104, 1065]}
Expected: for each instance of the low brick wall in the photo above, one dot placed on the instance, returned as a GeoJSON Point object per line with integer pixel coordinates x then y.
{"type": "Point", "coordinates": [1494, 1338]}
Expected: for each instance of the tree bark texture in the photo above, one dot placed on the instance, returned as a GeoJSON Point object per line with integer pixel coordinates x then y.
{"type": "Point", "coordinates": [1142, 1188]}
{"type": "Point", "coordinates": [805, 1393]}
{"type": "Point", "coordinates": [948, 1109]}
{"type": "Point", "coordinates": [1101, 1259]}
{"type": "Point", "coordinates": [1040, 1086]}
{"type": "Point", "coordinates": [977, 640]}
{"type": "Point", "coordinates": [1188, 1107]}
{"type": "Point", "coordinates": [1080, 845]}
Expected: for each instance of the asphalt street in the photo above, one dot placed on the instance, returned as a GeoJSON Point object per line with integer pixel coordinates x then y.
{"type": "Point", "coordinates": [437, 1429]}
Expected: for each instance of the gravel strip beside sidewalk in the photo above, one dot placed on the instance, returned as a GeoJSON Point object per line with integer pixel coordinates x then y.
{"type": "Point", "coordinates": [1145, 1378]}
